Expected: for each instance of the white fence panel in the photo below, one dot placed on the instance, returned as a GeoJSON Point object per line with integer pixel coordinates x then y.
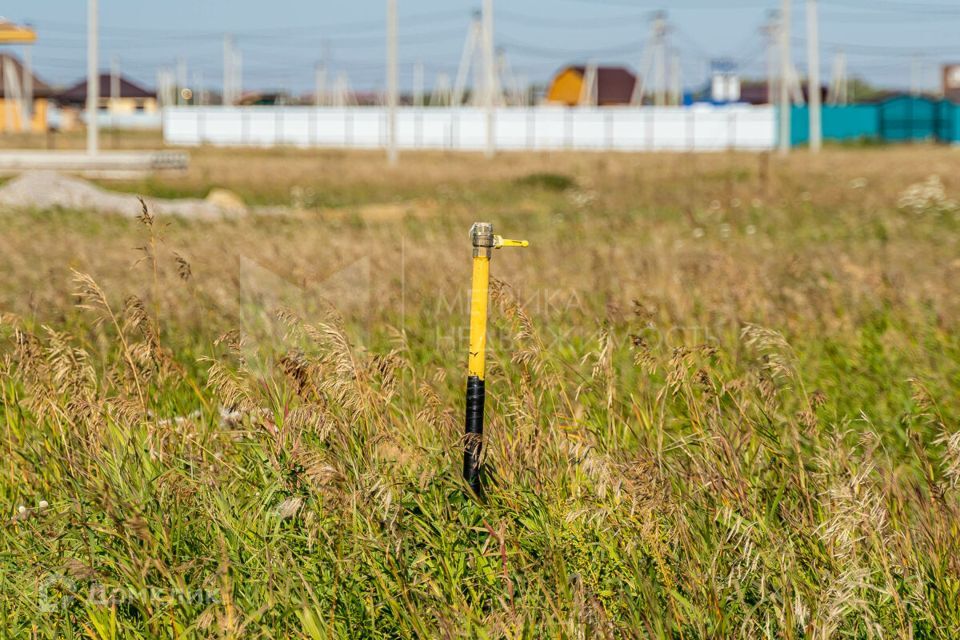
{"type": "Point", "coordinates": [697, 128]}
{"type": "Point", "coordinates": [550, 128]}
{"type": "Point", "coordinates": [511, 129]}
{"type": "Point", "coordinates": [296, 126]}
{"type": "Point", "coordinates": [589, 130]}
{"type": "Point", "coordinates": [708, 131]}
{"type": "Point", "coordinates": [632, 130]}
{"type": "Point", "coordinates": [755, 129]}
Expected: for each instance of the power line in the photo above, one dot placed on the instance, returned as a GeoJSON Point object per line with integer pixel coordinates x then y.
{"type": "Point", "coordinates": [521, 48]}
{"type": "Point", "coordinates": [539, 22]}
{"type": "Point", "coordinates": [887, 5]}
{"type": "Point", "coordinates": [701, 5]}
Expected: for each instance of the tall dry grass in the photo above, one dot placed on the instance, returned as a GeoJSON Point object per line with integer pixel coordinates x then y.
{"type": "Point", "coordinates": [722, 403]}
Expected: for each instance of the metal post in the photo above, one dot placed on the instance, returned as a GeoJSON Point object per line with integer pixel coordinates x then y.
{"type": "Point", "coordinates": [392, 82]}
{"type": "Point", "coordinates": [489, 76]}
{"type": "Point", "coordinates": [483, 240]}
{"type": "Point", "coordinates": [93, 79]}
{"type": "Point", "coordinates": [813, 76]}
{"type": "Point", "coordinates": [785, 74]}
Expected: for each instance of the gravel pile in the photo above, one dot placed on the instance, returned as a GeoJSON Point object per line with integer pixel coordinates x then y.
{"type": "Point", "coordinates": [50, 190]}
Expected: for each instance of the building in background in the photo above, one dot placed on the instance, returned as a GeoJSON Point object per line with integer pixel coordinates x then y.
{"type": "Point", "coordinates": [13, 96]}
{"type": "Point", "coordinates": [614, 85]}
{"type": "Point", "coordinates": [724, 87]}
{"type": "Point", "coordinates": [121, 100]}
{"type": "Point", "coordinates": [951, 82]}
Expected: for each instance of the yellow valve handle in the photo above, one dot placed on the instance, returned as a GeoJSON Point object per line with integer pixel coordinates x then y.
{"type": "Point", "coordinates": [500, 242]}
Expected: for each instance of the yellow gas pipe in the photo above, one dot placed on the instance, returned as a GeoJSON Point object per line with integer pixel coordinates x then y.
{"type": "Point", "coordinates": [484, 241]}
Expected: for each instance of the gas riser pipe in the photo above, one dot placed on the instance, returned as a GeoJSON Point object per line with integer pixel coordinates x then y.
{"type": "Point", "coordinates": [484, 241]}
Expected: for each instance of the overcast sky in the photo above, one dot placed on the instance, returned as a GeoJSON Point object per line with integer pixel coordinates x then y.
{"type": "Point", "coordinates": [282, 40]}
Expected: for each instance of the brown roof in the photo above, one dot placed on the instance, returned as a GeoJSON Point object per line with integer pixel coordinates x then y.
{"type": "Point", "coordinates": [614, 84]}
{"type": "Point", "coordinates": [753, 92]}
{"type": "Point", "coordinates": [40, 88]}
{"type": "Point", "coordinates": [128, 89]}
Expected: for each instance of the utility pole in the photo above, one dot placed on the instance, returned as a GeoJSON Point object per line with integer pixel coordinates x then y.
{"type": "Point", "coordinates": [181, 79]}
{"type": "Point", "coordinates": [844, 85]}
{"type": "Point", "coordinates": [161, 88]}
{"type": "Point", "coordinates": [659, 58]}
{"type": "Point", "coordinates": [474, 34]}
{"type": "Point", "coordinates": [676, 85]}
{"type": "Point", "coordinates": [509, 82]}
{"type": "Point", "coordinates": [228, 97]}
{"type": "Point", "coordinates": [236, 85]}
{"type": "Point", "coordinates": [418, 84]}
{"type": "Point", "coordinates": [490, 78]}
{"type": "Point", "coordinates": [114, 90]}
{"type": "Point", "coordinates": [588, 90]}
{"type": "Point", "coordinates": [320, 85]}
{"type": "Point", "coordinates": [523, 91]}
{"type": "Point", "coordinates": [840, 78]}
{"type": "Point", "coordinates": [341, 90]}
{"type": "Point", "coordinates": [27, 110]}
{"type": "Point", "coordinates": [200, 93]}
{"type": "Point", "coordinates": [392, 82]}
{"type": "Point", "coordinates": [771, 32]}
{"type": "Point", "coordinates": [915, 76]}
{"type": "Point", "coordinates": [93, 79]}
{"type": "Point", "coordinates": [114, 80]}
{"type": "Point", "coordinates": [785, 74]}
{"type": "Point", "coordinates": [813, 76]}
{"type": "Point", "coordinates": [441, 94]}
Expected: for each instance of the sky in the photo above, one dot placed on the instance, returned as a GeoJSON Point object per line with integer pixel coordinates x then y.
{"type": "Point", "coordinates": [887, 42]}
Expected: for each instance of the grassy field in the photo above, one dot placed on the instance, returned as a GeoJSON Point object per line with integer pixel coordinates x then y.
{"type": "Point", "coordinates": [722, 402]}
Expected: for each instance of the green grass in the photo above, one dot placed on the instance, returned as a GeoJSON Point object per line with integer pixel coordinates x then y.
{"type": "Point", "coordinates": [707, 418]}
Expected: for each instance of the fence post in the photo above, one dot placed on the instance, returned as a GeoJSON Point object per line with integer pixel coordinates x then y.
{"type": "Point", "coordinates": [608, 129]}
{"type": "Point", "coordinates": [651, 123]}
{"type": "Point", "coordinates": [531, 129]}
{"type": "Point", "coordinates": [278, 127]}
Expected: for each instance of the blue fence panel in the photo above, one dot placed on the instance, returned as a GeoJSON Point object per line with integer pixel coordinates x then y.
{"type": "Point", "coordinates": [840, 123]}
{"type": "Point", "coordinates": [908, 118]}
{"type": "Point", "coordinates": [955, 125]}
{"type": "Point", "coordinates": [898, 119]}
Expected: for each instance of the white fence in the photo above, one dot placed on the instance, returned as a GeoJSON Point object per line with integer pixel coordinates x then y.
{"type": "Point", "coordinates": [696, 128]}
{"type": "Point", "coordinates": [57, 118]}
